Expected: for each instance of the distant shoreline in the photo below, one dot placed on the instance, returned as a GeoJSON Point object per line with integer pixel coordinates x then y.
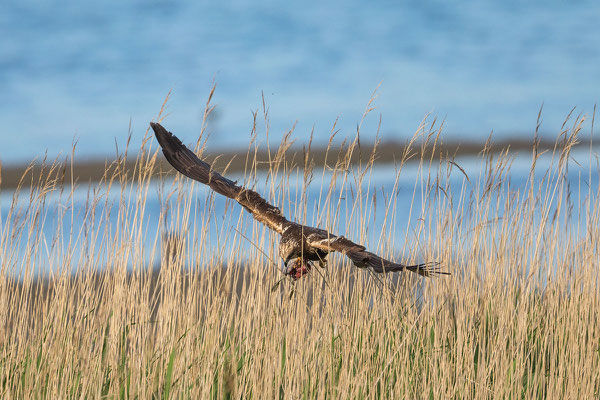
{"type": "Point", "coordinates": [93, 170]}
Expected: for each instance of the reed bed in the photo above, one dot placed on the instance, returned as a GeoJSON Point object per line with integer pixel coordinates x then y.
{"type": "Point", "coordinates": [85, 313]}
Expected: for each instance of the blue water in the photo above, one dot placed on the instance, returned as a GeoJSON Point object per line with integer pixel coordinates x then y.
{"type": "Point", "coordinates": [64, 230]}
{"type": "Point", "coordinates": [84, 70]}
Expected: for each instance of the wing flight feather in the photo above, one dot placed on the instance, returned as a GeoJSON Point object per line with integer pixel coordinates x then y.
{"type": "Point", "coordinates": [365, 259]}
{"type": "Point", "coordinates": [185, 161]}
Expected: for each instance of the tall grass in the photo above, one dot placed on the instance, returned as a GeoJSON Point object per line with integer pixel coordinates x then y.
{"type": "Point", "coordinates": [84, 314]}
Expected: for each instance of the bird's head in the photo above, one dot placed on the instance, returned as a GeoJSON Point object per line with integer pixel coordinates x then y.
{"type": "Point", "coordinates": [297, 267]}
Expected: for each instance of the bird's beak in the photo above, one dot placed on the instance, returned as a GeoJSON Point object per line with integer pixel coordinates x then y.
{"type": "Point", "coordinates": [286, 261]}
{"type": "Point", "coordinates": [286, 269]}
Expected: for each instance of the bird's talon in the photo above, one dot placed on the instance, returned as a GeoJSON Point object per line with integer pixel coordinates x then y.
{"type": "Point", "coordinates": [297, 269]}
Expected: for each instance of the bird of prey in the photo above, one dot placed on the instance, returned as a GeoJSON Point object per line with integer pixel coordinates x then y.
{"type": "Point", "coordinates": [300, 245]}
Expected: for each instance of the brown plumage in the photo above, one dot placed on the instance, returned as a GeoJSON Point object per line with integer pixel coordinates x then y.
{"type": "Point", "coordinates": [300, 245]}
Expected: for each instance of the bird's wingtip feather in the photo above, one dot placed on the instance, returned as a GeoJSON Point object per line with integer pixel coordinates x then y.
{"type": "Point", "coordinates": [428, 269]}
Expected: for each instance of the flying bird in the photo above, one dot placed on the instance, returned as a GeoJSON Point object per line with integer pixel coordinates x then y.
{"type": "Point", "coordinates": [300, 245]}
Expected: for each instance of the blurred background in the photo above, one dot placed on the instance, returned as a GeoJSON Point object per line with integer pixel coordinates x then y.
{"type": "Point", "coordinates": [83, 70]}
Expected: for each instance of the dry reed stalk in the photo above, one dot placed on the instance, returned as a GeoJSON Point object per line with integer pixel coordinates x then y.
{"type": "Point", "coordinates": [84, 314]}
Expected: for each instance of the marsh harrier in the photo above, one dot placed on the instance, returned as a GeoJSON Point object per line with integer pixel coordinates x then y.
{"type": "Point", "coordinates": [300, 245]}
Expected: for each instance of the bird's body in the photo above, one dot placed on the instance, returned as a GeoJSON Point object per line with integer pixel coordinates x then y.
{"type": "Point", "coordinates": [300, 245]}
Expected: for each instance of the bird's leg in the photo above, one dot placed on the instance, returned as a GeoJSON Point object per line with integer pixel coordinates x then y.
{"type": "Point", "coordinates": [322, 261]}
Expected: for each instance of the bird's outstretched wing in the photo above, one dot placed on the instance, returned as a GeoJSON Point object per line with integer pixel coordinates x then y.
{"type": "Point", "coordinates": [186, 162]}
{"type": "Point", "coordinates": [365, 259]}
